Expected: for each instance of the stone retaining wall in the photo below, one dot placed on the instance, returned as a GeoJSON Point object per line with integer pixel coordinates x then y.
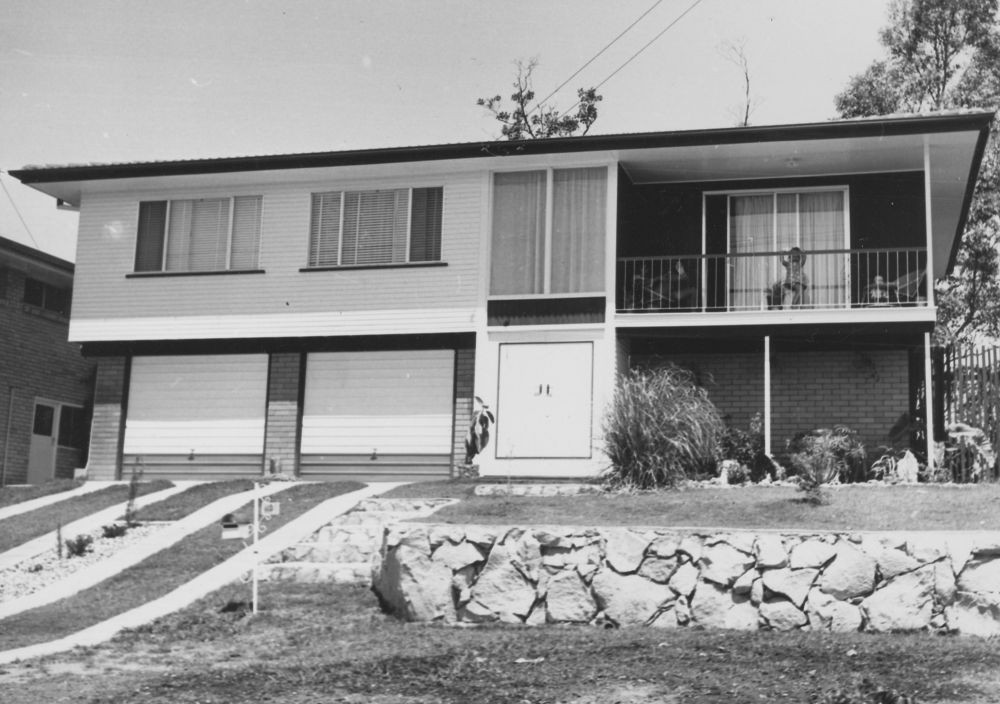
{"type": "Point", "coordinates": [747, 580]}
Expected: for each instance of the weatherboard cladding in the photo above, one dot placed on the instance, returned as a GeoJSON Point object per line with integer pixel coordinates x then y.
{"type": "Point", "coordinates": [283, 301]}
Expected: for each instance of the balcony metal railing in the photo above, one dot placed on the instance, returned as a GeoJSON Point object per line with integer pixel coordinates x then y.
{"type": "Point", "coordinates": [832, 278]}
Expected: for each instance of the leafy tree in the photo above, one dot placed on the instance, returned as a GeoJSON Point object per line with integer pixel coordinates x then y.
{"type": "Point", "coordinates": [521, 121]}
{"type": "Point", "coordinates": [944, 54]}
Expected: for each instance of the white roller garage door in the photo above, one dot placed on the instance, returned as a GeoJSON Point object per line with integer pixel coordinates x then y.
{"type": "Point", "coordinates": [197, 405]}
{"type": "Point", "coordinates": [379, 403]}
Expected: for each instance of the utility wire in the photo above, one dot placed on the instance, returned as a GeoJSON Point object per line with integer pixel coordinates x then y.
{"type": "Point", "coordinates": [607, 46]}
{"type": "Point", "coordinates": [644, 47]}
{"type": "Point", "coordinates": [14, 205]}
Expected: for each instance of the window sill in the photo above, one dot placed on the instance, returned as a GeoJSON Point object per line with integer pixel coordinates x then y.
{"type": "Point", "coordinates": [159, 274]}
{"type": "Point", "coordinates": [40, 312]}
{"type": "Point", "coordinates": [357, 267]}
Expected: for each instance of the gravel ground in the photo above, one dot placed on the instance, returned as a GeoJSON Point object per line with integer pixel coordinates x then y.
{"type": "Point", "coordinates": [36, 573]}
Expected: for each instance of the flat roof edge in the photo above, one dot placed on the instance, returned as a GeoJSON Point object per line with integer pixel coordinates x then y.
{"type": "Point", "coordinates": [866, 127]}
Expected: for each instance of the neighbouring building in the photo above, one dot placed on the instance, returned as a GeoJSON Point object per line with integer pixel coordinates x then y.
{"type": "Point", "coordinates": [46, 386]}
{"type": "Point", "coordinates": [334, 314]}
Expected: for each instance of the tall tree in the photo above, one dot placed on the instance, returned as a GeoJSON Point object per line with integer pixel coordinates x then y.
{"type": "Point", "coordinates": [944, 54]}
{"type": "Point", "coordinates": [523, 121]}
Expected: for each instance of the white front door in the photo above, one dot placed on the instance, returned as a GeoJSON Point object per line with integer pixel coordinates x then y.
{"type": "Point", "coordinates": [44, 432]}
{"type": "Point", "coordinates": [545, 401]}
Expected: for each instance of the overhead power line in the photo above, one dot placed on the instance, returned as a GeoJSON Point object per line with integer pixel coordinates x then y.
{"type": "Point", "coordinates": [644, 47]}
{"type": "Point", "coordinates": [16, 210]}
{"type": "Point", "coordinates": [593, 58]}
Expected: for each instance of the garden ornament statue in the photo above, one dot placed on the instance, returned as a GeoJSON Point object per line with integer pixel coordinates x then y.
{"type": "Point", "coordinates": [478, 435]}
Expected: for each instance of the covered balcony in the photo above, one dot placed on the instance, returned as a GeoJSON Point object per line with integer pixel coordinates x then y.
{"type": "Point", "coordinates": [773, 281]}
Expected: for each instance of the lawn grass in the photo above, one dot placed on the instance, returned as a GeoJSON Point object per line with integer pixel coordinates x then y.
{"type": "Point", "coordinates": [190, 500]}
{"type": "Point", "coordinates": [10, 495]}
{"type": "Point", "coordinates": [850, 507]}
{"type": "Point", "coordinates": [19, 529]}
{"type": "Point", "coordinates": [154, 576]}
{"type": "Point", "coordinates": [314, 643]}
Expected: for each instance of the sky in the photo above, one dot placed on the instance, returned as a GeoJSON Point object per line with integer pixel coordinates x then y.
{"type": "Point", "coordinates": [105, 81]}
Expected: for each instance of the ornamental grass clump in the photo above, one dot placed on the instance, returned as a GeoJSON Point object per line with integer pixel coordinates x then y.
{"type": "Point", "coordinates": [660, 430]}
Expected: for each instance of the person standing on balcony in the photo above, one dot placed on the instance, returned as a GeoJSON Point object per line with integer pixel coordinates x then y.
{"type": "Point", "coordinates": [793, 288]}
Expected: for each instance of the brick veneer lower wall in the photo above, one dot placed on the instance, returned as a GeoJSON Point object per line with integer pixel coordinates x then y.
{"type": "Point", "coordinates": [867, 391]}
{"type": "Point", "coordinates": [284, 410]}
{"type": "Point", "coordinates": [465, 371]}
{"type": "Point", "coordinates": [108, 424]}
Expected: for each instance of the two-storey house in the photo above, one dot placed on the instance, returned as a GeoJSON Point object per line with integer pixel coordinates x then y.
{"type": "Point", "coordinates": [45, 383]}
{"type": "Point", "coordinates": [334, 314]}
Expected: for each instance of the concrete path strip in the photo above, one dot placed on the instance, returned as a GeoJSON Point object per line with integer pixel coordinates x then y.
{"type": "Point", "coordinates": [208, 581]}
{"type": "Point", "coordinates": [86, 524]}
{"type": "Point", "coordinates": [49, 499]}
{"type": "Point", "coordinates": [98, 572]}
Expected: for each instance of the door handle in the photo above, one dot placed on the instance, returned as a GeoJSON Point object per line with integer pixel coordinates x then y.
{"type": "Point", "coordinates": [539, 390]}
{"type": "Point", "coordinates": [547, 392]}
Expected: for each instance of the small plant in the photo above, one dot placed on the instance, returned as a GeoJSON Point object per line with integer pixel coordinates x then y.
{"type": "Point", "coordinates": [661, 429]}
{"type": "Point", "coordinates": [825, 456]}
{"type": "Point", "coordinates": [968, 454]}
{"type": "Point", "coordinates": [115, 530]}
{"type": "Point", "coordinates": [133, 491]}
{"type": "Point", "coordinates": [79, 546]}
{"type": "Point", "coordinates": [747, 448]}
{"type": "Point", "coordinates": [59, 540]}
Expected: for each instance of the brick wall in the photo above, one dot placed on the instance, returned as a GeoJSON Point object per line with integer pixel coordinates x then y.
{"type": "Point", "coordinates": [36, 361]}
{"type": "Point", "coordinates": [284, 409]}
{"type": "Point", "coordinates": [465, 367]}
{"type": "Point", "coordinates": [108, 424]}
{"type": "Point", "coordinates": [865, 390]}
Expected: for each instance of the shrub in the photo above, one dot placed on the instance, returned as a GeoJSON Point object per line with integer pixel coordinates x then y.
{"type": "Point", "coordinates": [968, 454]}
{"type": "Point", "coordinates": [115, 530]}
{"type": "Point", "coordinates": [661, 429]}
{"type": "Point", "coordinates": [746, 447]}
{"type": "Point", "coordinates": [825, 456]}
{"type": "Point", "coordinates": [79, 546]}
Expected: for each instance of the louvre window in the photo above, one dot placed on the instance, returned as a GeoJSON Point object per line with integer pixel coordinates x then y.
{"type": "Point", "coordinates": [207, 234]}
{"type": "Point", "coordinates": [392, 226]}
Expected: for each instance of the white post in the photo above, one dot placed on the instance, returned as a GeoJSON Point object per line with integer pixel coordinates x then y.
{"type": "Point", "coordinates": [767, 395]}
{"type": "Point", "coordinates": [929, 222]}
{"type": "Point", "coordinates": [928, 402]}
{"type": "Point", "coordinates": [256, 537]}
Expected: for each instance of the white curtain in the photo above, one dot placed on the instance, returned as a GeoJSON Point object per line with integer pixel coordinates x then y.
{"type": "Point", "coordinates": [751, 229]}
{"type": "Point", "coordinates": [517, 255]}
{"type": "Point", "coordinates": [821, 223]}
{"type": "Point", "coordinates": [579, 201]}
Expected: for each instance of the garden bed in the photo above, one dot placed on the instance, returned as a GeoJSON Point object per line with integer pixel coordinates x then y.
{"type": "Point", "coordinates": [19, 529]}
{"type": "Point", "coordinates": [850, 507]}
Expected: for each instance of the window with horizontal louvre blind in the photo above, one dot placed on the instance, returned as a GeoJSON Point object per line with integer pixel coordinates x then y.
{"type": "Point", "coordinates": [246, 232]}
{"type": "Point", "coordinates": [425, 225]}
{"type": "Point", "coordinates": [391, 226]}
{"type": "Point", "coordinates": [324, 240]}
{"type": "Point", "coordinates": [207, 234]}
{"type": "Point", "coordinates": [152, 228]}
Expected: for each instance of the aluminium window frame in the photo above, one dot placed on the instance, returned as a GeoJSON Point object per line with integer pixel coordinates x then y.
{"type": "Point", "coordinates": [342, 207]}
{"type": "Point", "coordinates": [774, 193]}
{"type": "Point", "coordinates": [230, 225]}
{"type": "Point", "coordinates": [549, 170]}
